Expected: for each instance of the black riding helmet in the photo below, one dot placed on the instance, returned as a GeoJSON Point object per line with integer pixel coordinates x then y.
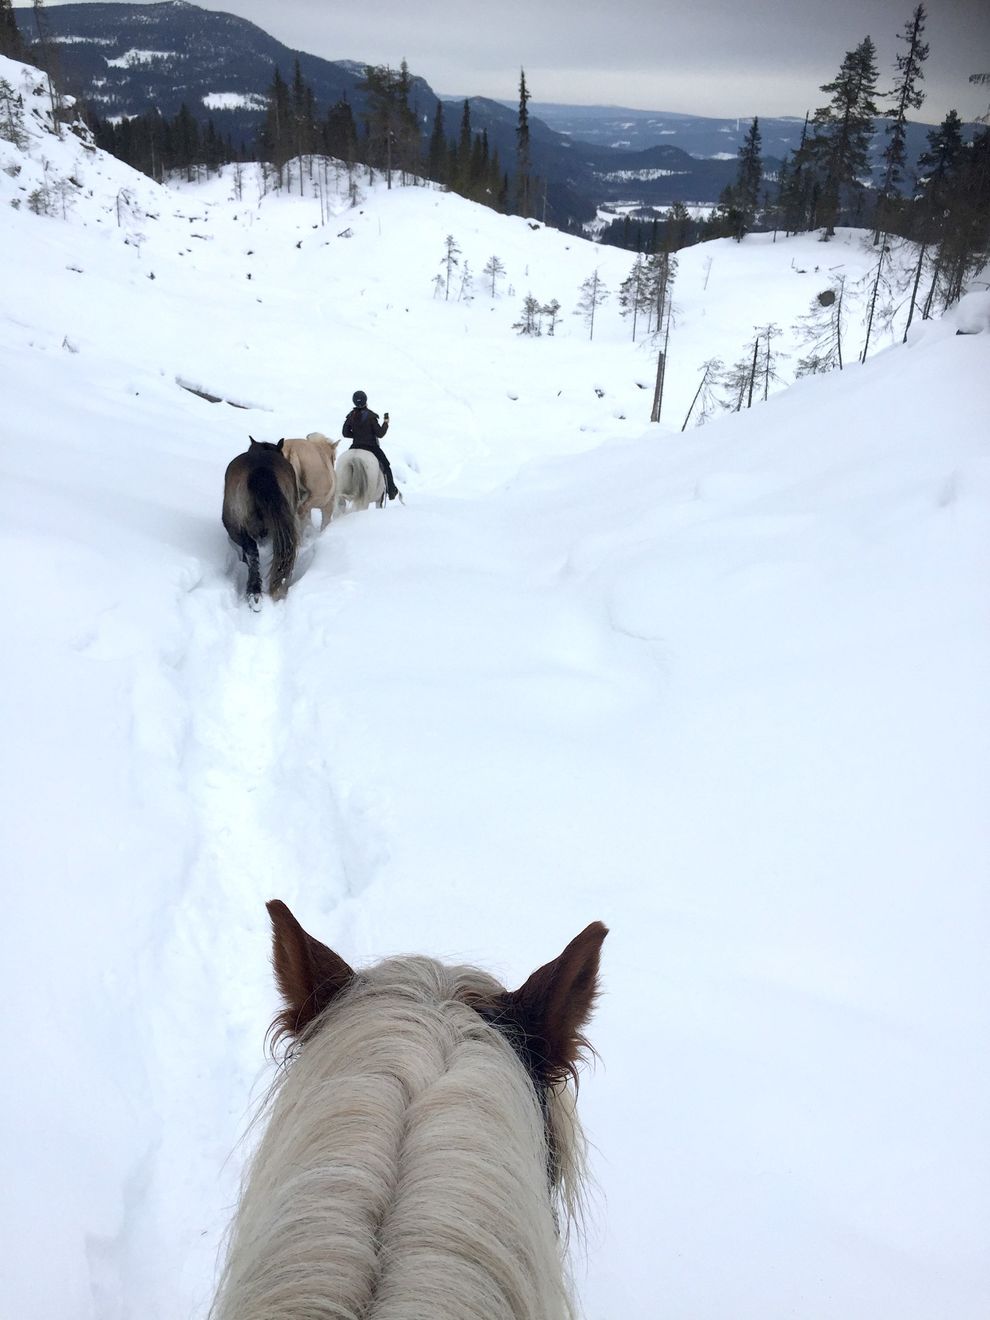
{"type": "Point", "coordinates": [359, 399]}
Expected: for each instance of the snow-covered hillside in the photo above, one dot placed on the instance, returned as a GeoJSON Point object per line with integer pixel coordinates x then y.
{"type": "Point", "coordinates": [725, 690]}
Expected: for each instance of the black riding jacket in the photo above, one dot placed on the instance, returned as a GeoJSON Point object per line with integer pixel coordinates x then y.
{"type": "Point", "coordinates": [363, 429]}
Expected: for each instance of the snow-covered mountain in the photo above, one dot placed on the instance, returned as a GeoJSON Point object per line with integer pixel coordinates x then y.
{"type": "Point", "coordinates": [724, 689]}
{"type": "Point", "coordinates": [123, 59]}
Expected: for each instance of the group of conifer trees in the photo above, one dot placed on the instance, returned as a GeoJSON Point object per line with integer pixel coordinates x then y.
{"type": "Point", "coordinates": [386, 137]}
{"type": "Point", "coordinates": [158, 146]}
{"type": "Point", "coordinates": [941, 202]}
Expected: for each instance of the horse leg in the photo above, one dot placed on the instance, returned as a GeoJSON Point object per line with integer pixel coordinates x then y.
{"type": "Point", "coordinates": [250, 551]}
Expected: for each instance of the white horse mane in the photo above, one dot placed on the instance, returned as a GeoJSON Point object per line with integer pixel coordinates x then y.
{"type": "Point", "coordinates": [403, 1173]}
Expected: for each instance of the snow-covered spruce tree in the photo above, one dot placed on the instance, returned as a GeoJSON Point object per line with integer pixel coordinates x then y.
{"type": "Point", "coordinates": [592, 294]}
{"type": "Point", "coordinates": [449, 261]}
{"type": "Point", "coordinates": [551, 310]}
{"type": "Point", "coordinates": [11, 115]}
{"type": "Point", "coordinates": [493, 270]}
{"type": "Point", "coordinates": [465, 291]}
{"type": "Point", "coordinates": [822, 330]}
{"type": "Point", "coordinates": [529, 322]}
{"type": "Point", "coordinates": [840, 145]}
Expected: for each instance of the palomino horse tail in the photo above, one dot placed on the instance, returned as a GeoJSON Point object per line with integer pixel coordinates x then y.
{"type": "Point", "coordinates": [279, 519]}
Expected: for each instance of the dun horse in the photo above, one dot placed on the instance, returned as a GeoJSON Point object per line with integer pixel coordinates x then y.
{"type": "Point", "coordinates": [422, 1152]}
{"type": "Point", "coordinates": [259, 501]}
{"type": "Point", "coordinates": [359, 480]}
{"type": "Point", "coordinates": [312, 461]}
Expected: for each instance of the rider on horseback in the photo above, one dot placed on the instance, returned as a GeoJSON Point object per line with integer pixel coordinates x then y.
{"type": "Point", "coordinates": [363, 429]}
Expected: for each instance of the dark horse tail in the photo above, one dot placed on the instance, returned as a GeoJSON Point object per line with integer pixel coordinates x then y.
{"type": "Point", "coordinates": [276, 518]}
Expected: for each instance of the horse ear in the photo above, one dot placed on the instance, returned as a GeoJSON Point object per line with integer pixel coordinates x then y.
{"type": "Point", "coordinates": [554, 1004]}
{"type": "Point", "coordinates": [309, 974]}
{"type": "Point", "coordinates": [252, 439]}
{"type": "Point", "coordinates": [280, 443]}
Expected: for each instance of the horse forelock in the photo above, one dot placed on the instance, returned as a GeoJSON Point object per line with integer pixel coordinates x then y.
{"type": "Point", "coordinates": [402, 1127]}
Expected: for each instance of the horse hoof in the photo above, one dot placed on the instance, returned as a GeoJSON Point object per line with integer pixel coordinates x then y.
{"type": "Point", "coordinates": [254, 601]}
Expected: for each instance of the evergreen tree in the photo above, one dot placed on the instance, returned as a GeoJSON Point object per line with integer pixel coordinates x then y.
{"type": "Point", "coordinates": [449, 261]}
{"type": "Point", "coordinates": [660, 270]}
{"type": "Point", "coordinates": [392, 128]}
{"type": "Point", "coordinates": [493, 269]}
{"type": "Point", "coordinates": [635, 292]}
{"type": "Point", "coordinates": [276, 132]}
{"type": "Point", "coordinates": [907, 96]}
{"type": "Point", "coordinates": [938, 167]}
{"type": "Point", "coordinates": [465, 292]}
{"type": "Point", "coordinates": [11, 115]}
{"type": "Point", "coordinates": [462, 180]}
{"type": "Point", "coordinates": [340, 132]}
{"type": "Point", "coordinates": [524, 165]}
{"type": "Point", "coordinates": [11, 44]}
{"type": "Point", "coordinates": [551, 310]}
{"type": "Point", "coordinates": [711, 373]}
{"type": "Point", "coordinates": [529, 320]}
{"type": "Point", "coordinates": [798, 189]}
{"type": "Point", "coordinates": [593, 293]}
{"type": "Point", "coordinates": [436, 158]}
{"type": "Point", "coordinates": [940, 164]}
{"type": "Point", "coordinates": [822, 329]}
{"type": "Point", "coordinates": [843, 129]}
{"type": "Point", "coordinates": [679, 226]}
{"type": "Point", "coordinates": [964, 250]}
{"type": "Point", "coordinates": [48, 61]}
{"type": "Point", "coordinates": [186, 148]}
{"type": "Point", "coordinates": [739, 380]}
{"type": "Point", "coordinates": [749, 178]}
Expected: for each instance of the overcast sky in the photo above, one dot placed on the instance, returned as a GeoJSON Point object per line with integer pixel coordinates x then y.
{"type": "Point", "coordinates": [705, 57]}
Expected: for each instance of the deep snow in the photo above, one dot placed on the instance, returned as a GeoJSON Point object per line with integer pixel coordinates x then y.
{"type": "Point", "coordinates": [725, 690]}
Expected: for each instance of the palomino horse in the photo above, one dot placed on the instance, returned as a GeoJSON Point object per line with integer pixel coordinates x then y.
{"type": "Point", "coordinates": [312, 461]}
{"type": "Point", "coordinates": [422, 1143]}
{"type": "Point", "coordinates": [259, 501]}
{"type": "Point", "coordinates": [359, 480]}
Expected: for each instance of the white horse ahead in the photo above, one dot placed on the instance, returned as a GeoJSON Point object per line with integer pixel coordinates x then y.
{"type": "Point", "coordinates": [422, 1153]}
{"type": "Point", "coordinates": [359, 480]}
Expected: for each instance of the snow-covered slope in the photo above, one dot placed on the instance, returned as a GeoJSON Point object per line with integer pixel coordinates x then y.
{"type": "Point", "coordinates": [725, 690]}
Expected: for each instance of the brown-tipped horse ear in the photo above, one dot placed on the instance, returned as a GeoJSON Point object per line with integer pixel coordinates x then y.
{"type": "Point", "coordinates": [309, 974]}
{"type": "Point", "coordinates": [554, 1004]}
